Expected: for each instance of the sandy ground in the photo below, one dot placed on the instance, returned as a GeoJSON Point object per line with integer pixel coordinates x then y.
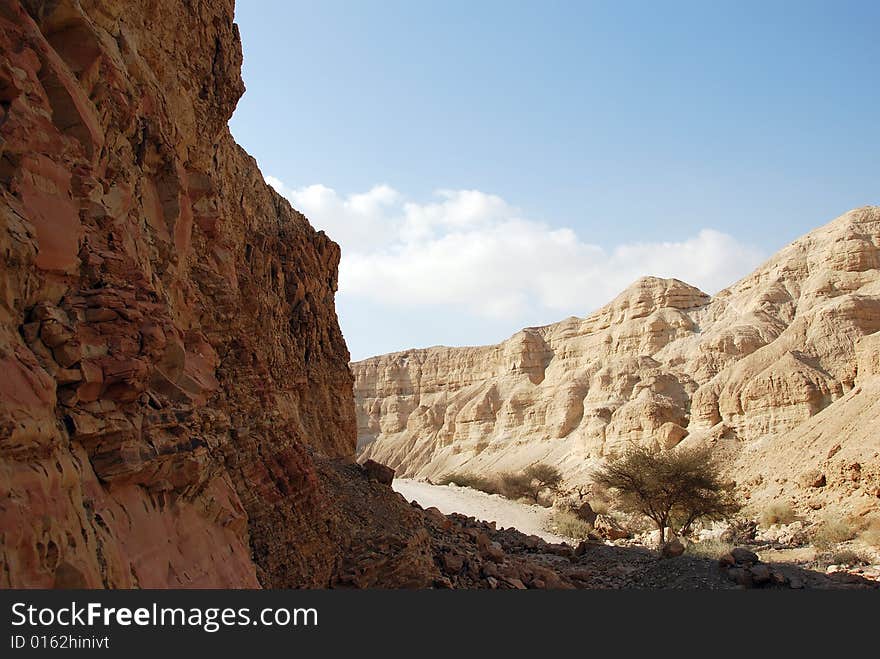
{"type": "Point", "coordinates": [531, 520]}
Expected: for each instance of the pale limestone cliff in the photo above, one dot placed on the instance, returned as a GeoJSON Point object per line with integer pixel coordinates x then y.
{"type": "Point", "coordinates": [750, 370]}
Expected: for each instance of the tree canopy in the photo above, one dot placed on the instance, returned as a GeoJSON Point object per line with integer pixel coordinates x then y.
{"type": "Point", "coordinates": [677, 486]}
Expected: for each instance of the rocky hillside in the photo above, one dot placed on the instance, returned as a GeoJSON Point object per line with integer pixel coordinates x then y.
{"type": "Point", "coordinates": [779, 372]}
{"type": "Point", "coordinates": [175, 405]}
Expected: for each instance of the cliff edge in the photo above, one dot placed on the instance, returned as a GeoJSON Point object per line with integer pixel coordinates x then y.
{"type": "Point", "coordinates": [175, 406]}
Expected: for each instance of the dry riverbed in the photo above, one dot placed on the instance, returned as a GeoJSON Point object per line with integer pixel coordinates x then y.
{"type": "Point", "coordinates": [528, 519]}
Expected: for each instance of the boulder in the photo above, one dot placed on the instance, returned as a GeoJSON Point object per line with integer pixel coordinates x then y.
{"type": "Point", "coordinates": [435, 514]}
{"type": "Point", "coordinates": [584, 545]}
{"type": "Point", "coordinates": [740, 531]}
{"type": "Point", "coordinates": [672, 548]}
{"type": "Point", "coordinates": [608, 528]}
{"type": "Point", "coordinates": [452, 563]}
{"type": "Point", "coordinates": [532, 541]}
{"type": "Point", "coordinates": [744, 556]}
{"type": "Point", "coordinates": [586, 513]}
{"type": "Point", "coordinates": [761, 574]}
{"type": "Point", "coordinates": [794, 534]}
{"type": "Point", "coordinates": [741, 576]}
{"type": "Point", "coordinates": [778, 578]}
{"type": "Point", "coordinates": [378, 472]}
{"type": "Point", "coordinates": [494, 552]}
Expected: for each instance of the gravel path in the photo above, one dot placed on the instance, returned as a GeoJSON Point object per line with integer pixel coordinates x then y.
{"type": "Point", "coordinates": [528, 519]}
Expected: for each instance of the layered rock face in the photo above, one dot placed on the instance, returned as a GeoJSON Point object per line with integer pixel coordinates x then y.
{"type": "Point", "coordinates": [769, 371]}
{"type": "Point", "coordinates": [175, 398]}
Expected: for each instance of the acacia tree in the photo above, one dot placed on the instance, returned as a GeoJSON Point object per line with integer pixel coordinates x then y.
{"type": "Point", "coordinates": [543, 477]}
{"type": "Point", "coordinates": [683, 484]}
{"type": "Point", "coordinates": [531, 481]}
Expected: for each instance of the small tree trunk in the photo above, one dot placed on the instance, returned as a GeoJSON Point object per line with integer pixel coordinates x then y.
{"type": "Point", "coordinates": [662, 527]}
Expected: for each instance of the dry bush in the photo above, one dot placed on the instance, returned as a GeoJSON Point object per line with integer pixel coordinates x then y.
{"type": "Point", "coordinates": [600, 506]}
{"type": "Point", "coordinates": [473, 481]}
{"type": "Point", "coordinates": [870, 535]}
{"type": "Point", "coordinates": [566, 523]}
{"type": "Point", "coordinates": [713, 549]}
{"type": "Point", "coordinates": [778, 512]}
{"type": "Point", "coordinates": [740, 531]}
{"type": "Point", "coordinates": [544, 477]}
{"type": "Point", "coordinates": [515, 485]}
{"type": "Point", "coordinates": [600, 498]}
{"type": "Point", "coordinates": [831, 532]}
{"type": "Point", "coordinates": [848, 557]}
{"type": "Point", "coordinates": [527, 484]}
{"type": "Point", "coordinates": [531, 482]}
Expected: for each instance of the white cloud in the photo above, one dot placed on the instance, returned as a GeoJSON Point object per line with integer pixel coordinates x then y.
{"type": "Point", "coordinates": [359, 221]}
{"type": "Point", "coordinates": [472, 252]}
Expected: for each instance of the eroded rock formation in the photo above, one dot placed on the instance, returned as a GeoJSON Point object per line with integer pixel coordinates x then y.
{"type": "Point", "coordinates": [775, 371]}
{"type": "Point", "coordinates": [175, 400]}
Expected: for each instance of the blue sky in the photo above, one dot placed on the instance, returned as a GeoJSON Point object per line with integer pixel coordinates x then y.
{"type": "Point", "coordinates": [491, 165]}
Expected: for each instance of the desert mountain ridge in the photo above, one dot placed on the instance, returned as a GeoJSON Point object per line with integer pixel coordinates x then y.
{"type": "Point", "coordinates": [779, 372]}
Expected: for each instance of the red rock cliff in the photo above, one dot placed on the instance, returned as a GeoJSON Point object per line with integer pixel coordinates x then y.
{"type": "Point", "coordinates": [175, 385]}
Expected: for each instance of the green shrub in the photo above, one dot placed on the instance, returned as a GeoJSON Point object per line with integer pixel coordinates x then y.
{"type": "Point", "coordinates": [566, 523]}
{"type": "Point", "coordinates": [778, 512]}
